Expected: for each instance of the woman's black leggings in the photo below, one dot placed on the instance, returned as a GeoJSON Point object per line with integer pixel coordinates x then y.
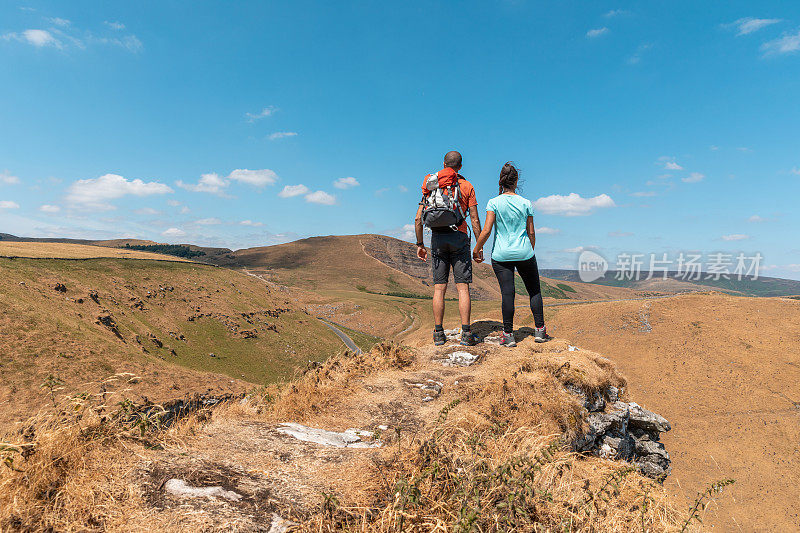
{"type": "Point", "coordinates": [529, 272]}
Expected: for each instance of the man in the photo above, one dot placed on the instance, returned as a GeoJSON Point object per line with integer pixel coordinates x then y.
{"type": "Point", "coordinates": [450, 247]}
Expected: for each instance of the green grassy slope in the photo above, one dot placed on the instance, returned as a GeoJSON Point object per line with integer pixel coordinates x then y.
{"type": "Point", "coordinates": [159, 320]}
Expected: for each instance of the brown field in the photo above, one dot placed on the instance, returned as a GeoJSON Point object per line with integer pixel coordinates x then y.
{"type": "Point", "coordinates": [57, 250]}
{"type": "Point", "coordinates": [726, 372]}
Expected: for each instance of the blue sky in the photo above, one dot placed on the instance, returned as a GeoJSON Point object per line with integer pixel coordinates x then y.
{"type": "Point", "coordinates": [638, 127]}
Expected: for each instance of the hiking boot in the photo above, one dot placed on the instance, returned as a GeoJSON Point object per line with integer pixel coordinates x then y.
{"type": "Point", "coordinates": [439, 338]}
{"type": "Point", "coordinates": [468, 338]}
{"type": "Point", "coordinates": [507, 339]}
{"type": "Point", "coordinates": [540, 335]}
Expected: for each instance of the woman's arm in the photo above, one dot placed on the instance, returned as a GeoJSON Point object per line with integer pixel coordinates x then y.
{"type": "Point", "coordinates": [484, 236]}
{"type": "Point", "coordinates": [531, 233]}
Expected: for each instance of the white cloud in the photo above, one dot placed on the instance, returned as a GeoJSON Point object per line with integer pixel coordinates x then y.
{"type": "Point", "coordinates": [346, 183]}
{"type": "Point", "coordinates": [694, 177]}
{"type": "Point", "coordinates": [616, 13]}
{"type": "Point", "coordinates": [406, 233]}
{"type": "Point", "coordinates": [173, 232]}
{"type": "Point", "coordinates": [402, 188]}
{"type": "Point", "coordinates": [173, 203]}
{"type": "Point", "coordinates": [320, 197]}
{"type": "Point", "coordinates": [115, 25]}
{"type": "Point", "coordinates": [37, 38]}
{"type": "Point", "coordinates": [251, 223]}
{"type": "Point", "coordinates": [620, 234]}
{"type": "Point", "coordinates": [796, 170]}
{"type": "Point", "coordinates": [713, 148]}
{"type": "Point", "coordinates": [744, 149]}
{"type": "Point", "coordinates": [7, 178]}
{"type": "Point", "coordinates": [59, 21]}
{"type": "Point", "coordinates": [786, 44]}
{"type": "Point", "coordinates": [208, 221]}
{"type": "Point", "coordinates": [636, 58]}
{"type": "Point", "coordinates": [293, 190]}
{"type": "Point", "coordinates": [735, 237]}
{"type": "Point", "coordinates": [544, 230]}
{"type": "Point", "coordinates": [281, 135]}
{"type": "Point", "coordinates": [749, 25]}
{"type": "Point", "coordinates": [572, 205]}
{"type": "Point", "coordinates": [147, 211]}
{"type": "Point", "coordinates": [8, 204]}
{"type": "Point", "coordinates": [210, 183]}
{"type": "Point", "coordinates": [184, 210]}
{"type": "Point", "coordinates": [757, 219]}
{"type": "Point", "coordinates": [597, 32]}
{"type": "Point", "coordinates": [644, 194]}
{"type": "Point", "coordinates": [46, 208]}
{"type": "Point", "coordinates": [259, 178]}
{"type": "Point", "coordinates": [578, 249]}
{"type": "Point", "coordinates": [98, 191]}
{"type": "Point", "coordinates": [264, 113]}
{"type": "Point", "coordinates": [669, 163]}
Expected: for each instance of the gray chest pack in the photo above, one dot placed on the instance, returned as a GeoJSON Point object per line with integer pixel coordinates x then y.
{"type": "Point", "coordinates": [441, 209]}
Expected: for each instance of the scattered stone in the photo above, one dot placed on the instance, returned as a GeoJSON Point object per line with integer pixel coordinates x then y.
{"type": "Point", "coordinates": [60, 287]}
{"type": "Point", "coordinates": [612, 393]}
{"type": "Point", "coordinates": [280, 525]}
{"type": "Point", "coordinates": [628, 432]}
{"type": "Point", "coordinates": [572, 348]}
{"type": "Point", "coordinates": [349, 438]}
{"type": "Point", "coordinates": [460, 358]}
{"type": "Point", "coordinates": [212, 354]}
{"type": "Point", "coordinates": [179, 488]}
{"type": "Point", "coordinates": [94, 296]}
{"type": "Point", "coordinates": [644, 419]}
{"type": "Point", "coordinates": [432, 387]}
{"type": "Point", "coordinates": [109, 322]}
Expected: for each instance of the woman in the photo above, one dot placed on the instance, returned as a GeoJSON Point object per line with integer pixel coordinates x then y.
{"type": "Point", "coordinates": [514, 241]}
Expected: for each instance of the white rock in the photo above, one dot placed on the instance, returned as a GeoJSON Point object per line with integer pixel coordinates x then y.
{"type": "Point", "coordinates": [350, 438]}
{"type": "Point", "coordinates": [460, 359]}
{"type": "Point", "coordinates": [573, 348]}
{"type": "Point", "coordinates": [280, 525]}
{"type": "Point", "coordinates": [178, 487]}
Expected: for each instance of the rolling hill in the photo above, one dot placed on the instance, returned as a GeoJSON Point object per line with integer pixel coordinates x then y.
{"type": "Point", "coordinates": [179, 327]}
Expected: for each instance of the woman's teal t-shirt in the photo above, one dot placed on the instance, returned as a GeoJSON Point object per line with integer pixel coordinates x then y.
{"type": "Point", "coordinates": [511, 241]}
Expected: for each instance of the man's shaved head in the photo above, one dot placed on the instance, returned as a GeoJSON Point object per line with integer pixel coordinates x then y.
{"type": "Point", "coordinates": [452, 160]}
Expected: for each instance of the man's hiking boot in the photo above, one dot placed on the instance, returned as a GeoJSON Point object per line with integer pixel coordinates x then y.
{"type": "Point", "coordinates": [439, 338]}
{"type": "Point", "coordinates": [507, 339]}
{"type": "Point", "coordinates": [468, 338]}
{"type": "Point", "coordinates": [540, 335]}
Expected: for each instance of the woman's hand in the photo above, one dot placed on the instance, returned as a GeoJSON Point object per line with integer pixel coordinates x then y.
{"type": "Point", "coordinates": [477, 255]}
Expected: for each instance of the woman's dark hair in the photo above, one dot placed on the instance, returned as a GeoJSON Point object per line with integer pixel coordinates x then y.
{"type": "Point", "coordinates": [508, 178]}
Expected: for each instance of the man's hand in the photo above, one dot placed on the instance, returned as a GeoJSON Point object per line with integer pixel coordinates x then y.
{"type": "Point", "coordinates": [422, 253]}
{"type": "Point", "coordinates": [477, 255]}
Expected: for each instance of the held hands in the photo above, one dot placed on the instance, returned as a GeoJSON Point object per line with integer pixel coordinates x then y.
{"type": "Point", "coordinates": [477, 255]}
{"type": "Point", "coordinates": [422, 253]}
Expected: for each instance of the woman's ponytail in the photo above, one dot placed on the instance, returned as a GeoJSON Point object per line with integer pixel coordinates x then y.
{"type": "Point", "coordinates": [508, 178]}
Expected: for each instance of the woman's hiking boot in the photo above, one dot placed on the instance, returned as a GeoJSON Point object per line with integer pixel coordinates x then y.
{"type": "Point", "coordinates": [507, 339]}
{"type": "Point", "coordinates": [540, 335]}
{"type": "Point", "coordinates": [439, 338]}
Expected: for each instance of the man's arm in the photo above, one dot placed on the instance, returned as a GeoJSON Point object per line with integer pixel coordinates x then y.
{"type": "Point", "coordinates": [422, 252]}
{"type": "Point", "coordinates": [476, 220]}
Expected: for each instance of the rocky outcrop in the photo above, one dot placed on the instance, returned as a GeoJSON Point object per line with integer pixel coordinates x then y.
{"type": "Point", "coordinates": [624, 431]}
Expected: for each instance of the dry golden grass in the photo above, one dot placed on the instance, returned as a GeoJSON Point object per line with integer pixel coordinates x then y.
{"type": "Point", "coordinates": [55, 250]}
{"type": "Point", "coordinates": [490, 456]}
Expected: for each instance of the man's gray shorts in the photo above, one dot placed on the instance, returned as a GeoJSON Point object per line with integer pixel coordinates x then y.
{"type": "Point", "coordinates": [451, 249]}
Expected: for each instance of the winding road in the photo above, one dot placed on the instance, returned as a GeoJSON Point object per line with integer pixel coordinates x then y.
{"type": "Point", "coordinates": [342, 335]}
